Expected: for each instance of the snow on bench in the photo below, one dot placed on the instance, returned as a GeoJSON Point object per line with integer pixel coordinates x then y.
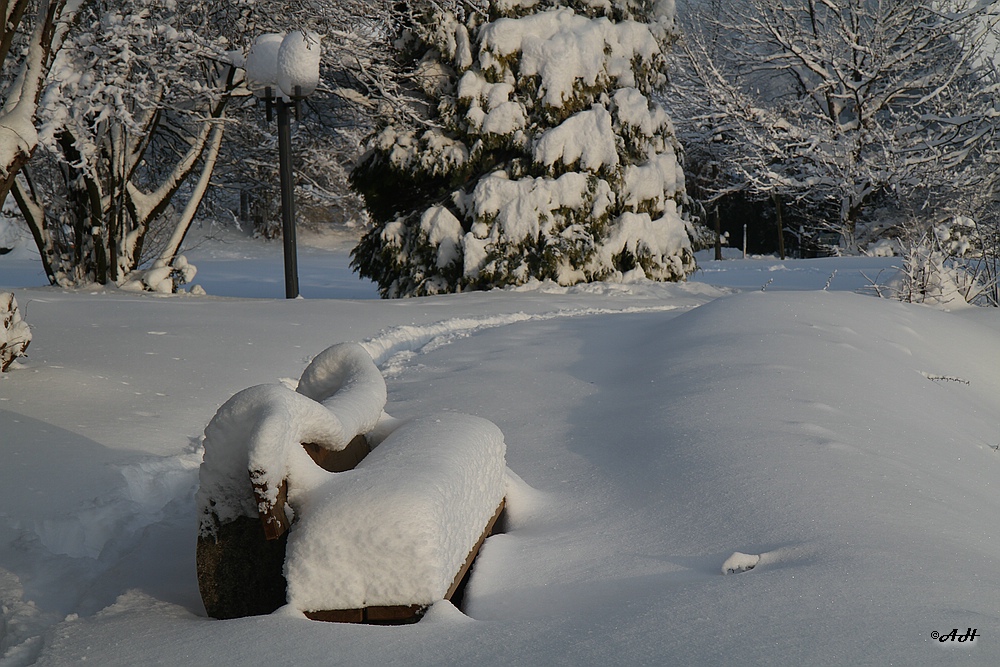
{"type": "Point", "coordinates": [378, 543]}
{"type": "Point", "coordinates": [260, 432]}
{"type": "Point", "coordinates": [398, 529]}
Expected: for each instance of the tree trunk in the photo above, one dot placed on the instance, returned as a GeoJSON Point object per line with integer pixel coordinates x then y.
{"type": "Point", "coordinates": [187, 215]}
{"type": "Point", "coordinates": [34, 215]}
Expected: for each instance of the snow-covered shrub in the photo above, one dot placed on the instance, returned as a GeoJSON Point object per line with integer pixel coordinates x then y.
{"type": "Point", "coordinates": [14, 332]}
{"type": "Point", "coordinates": [545, 156]}
{"type": "Point", "coordinates": [162, 277]}
{"type": "Point", "coordinates": [946, 266]}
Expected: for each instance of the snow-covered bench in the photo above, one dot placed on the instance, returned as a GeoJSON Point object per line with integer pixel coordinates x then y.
{"type": "Point", "coordinates": [366, 537]}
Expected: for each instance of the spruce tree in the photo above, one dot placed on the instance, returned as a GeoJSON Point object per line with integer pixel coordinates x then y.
{"type": "Point", "coordinates": [543, 152]}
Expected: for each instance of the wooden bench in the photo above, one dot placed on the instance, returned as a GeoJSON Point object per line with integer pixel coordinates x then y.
{"type": "Point", "coordinates": [240, 571]}
{"type": "Point", "coordinates": [445, 472]}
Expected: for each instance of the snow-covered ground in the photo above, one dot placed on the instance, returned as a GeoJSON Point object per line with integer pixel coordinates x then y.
{"type": "Point", "coordinates": [843, 445]}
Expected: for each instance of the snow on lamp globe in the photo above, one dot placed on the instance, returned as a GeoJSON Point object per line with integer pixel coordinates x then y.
{"type": "Point", "coordinates": [298, 64]}
{"type": "Point", "coordinates": [262, 64]}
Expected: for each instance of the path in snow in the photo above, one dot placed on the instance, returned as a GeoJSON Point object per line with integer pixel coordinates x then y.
{"type": "Point", "coordinates": [396, 348]}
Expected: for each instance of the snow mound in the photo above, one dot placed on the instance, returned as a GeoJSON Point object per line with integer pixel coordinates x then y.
{"type": "Point", "coordinates": [109, 524]}
{"type": "Point", "coordinates": [396, 529]}
{"type": "Point", "coordinates": [162, 277]}
{"type": "Point", "coordinates": [740, 562]}
{"type": "Point", "coordinates": [347, 382]}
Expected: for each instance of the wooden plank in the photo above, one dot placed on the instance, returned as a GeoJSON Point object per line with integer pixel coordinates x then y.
{"type": "Point", "coordinates": [376, 615]}
{"type": "Point", "coordinates": [394, 615]}
{"type": "Point", "coordinates": [340, 460]}
{"type": "Point", "coordinates": [475, 550]}
{"type": "Point", "coordinates": [388, 615]}
{"type": "Point", "coordinates": [338, 615]}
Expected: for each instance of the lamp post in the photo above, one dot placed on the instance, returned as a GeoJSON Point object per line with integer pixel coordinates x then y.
{"type": "Point", "coordinates": [287, 180]}
{"type": "Point", "coordinates": [284, 69]}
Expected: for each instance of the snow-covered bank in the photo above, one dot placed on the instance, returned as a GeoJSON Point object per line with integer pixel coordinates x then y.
{"type": "Point", "coordinates": [659, 429]}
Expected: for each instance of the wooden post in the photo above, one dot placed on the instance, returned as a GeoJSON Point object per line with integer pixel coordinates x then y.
{"type": "Point", "coordinates": [718, 233]}
{"type": "Point", "coordinates": [781, 227]}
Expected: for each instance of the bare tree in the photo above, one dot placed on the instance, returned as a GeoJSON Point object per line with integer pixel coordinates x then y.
{"type": "Point", "coordinates": [136, 111]}
{"type": "Point", "coordinates": [842, 106]}
{"type": "Point", "coordinates": [29, 38]}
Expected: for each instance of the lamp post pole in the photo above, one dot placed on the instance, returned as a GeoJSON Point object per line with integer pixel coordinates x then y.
{"type": "Point", "coordinates": [287, 200]}
{"type": "Point", "coordinates": [289, 63]}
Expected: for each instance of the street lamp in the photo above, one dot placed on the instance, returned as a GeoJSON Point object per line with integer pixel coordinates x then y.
{"type": "Point", "coordinates": [288, 63]}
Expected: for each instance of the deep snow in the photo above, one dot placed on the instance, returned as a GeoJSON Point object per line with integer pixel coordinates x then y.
{"type": "Point", "coordinates": [843, 444]}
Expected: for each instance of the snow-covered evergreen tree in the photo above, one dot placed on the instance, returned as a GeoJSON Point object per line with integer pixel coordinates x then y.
{"type": "Point", "coordinates": [544, 153]}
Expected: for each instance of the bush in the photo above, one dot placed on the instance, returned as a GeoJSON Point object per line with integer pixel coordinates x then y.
{"type": "Point", "coordinates": [949, 264]}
